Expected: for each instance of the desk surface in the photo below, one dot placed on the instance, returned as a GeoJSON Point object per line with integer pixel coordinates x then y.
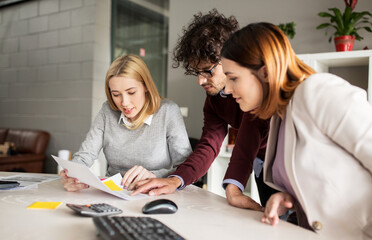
{"type": "Point", "coordinates": [201, 215]}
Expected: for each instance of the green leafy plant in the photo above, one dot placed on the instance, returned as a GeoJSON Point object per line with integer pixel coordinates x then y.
{"type": "Point", "coordinates": [288, 29]}
{"type": "Point", "coordinates": [347, 23]}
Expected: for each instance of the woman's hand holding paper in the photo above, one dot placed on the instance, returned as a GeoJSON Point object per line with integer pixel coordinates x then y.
{"type": "Point", "coordinates": [71, 184]}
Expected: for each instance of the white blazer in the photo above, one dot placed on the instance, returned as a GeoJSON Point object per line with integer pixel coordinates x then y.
{"type": "Point", "coordinates": [328, 155]}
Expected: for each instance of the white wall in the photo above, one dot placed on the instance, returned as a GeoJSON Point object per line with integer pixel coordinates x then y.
{"type": "Point", "coordinates": [54, 55]}
{"type": "Point", "coordinates": [184, 89]}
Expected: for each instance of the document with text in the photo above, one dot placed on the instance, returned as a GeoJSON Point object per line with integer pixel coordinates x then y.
{"type": "Point", "coordinates": [85, 175]}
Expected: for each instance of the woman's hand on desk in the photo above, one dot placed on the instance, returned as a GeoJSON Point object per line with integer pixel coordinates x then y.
{"type": "Point", "coordinates": [135, 174]}
{"type": "Point", "coordinates": [157, 186]}
{"type": "Point", "coordinates": [237, 199]}
{"type": "Point", "coordinates": [278, 204]}
{"type": "Point", "coordinates": [71, 184]}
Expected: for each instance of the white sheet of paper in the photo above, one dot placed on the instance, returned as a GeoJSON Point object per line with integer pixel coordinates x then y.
{"type": "Point", "coordinates": [85, 175]}
{"type": "Point", "coordinates": [28, 181]}
{"type": "Point", "coordinates": [116, 179]}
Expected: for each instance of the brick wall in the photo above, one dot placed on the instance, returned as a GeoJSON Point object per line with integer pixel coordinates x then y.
{"type": "Point", "coordinates": [54, 55]}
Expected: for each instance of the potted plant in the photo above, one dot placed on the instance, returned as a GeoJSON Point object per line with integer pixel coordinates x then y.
{"type": "Point", "coordinates": [288, 29]}
{"type": "Point", "coordinates": [346, 24]}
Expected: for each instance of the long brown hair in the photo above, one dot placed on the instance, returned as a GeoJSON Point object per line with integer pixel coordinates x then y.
{"type": "Point", "coordinates": [265, 45]}
{"type": "Point", "coordinates": [132, 66]}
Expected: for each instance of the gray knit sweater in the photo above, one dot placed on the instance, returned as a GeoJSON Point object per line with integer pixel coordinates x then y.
{"type": "Point", "coordinates": [159, 147]}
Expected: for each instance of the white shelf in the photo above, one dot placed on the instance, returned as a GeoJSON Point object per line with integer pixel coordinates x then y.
{"type": "Point", "coordinates": [321, 62]}
{"type": "Point", "coordinates": [217, 171]}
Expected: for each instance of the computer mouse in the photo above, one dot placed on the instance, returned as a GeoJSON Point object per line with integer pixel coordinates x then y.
{"type": "Point", "coordinates": [160, 206]}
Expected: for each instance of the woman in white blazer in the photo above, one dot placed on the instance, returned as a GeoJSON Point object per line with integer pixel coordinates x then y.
{"type": "Point", "coordinates": [319, 152]}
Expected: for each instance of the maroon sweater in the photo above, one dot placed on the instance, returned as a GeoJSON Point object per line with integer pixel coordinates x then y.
{"type": "Point", "coordinates": [219, 112]}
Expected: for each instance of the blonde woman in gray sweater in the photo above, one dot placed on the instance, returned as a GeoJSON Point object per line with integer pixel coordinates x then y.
{"type": "Point", "coordinates": [142, 135]}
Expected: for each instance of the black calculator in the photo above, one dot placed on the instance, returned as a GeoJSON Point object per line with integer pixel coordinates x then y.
{"type": "Point", "coordinates": [95, 210]}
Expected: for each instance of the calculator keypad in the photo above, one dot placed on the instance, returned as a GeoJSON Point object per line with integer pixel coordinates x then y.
{"type": "Point", "coordinates": [97, 209]}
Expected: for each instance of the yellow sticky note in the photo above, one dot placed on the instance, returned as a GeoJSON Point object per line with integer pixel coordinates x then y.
{"type": "Point", "coordinates": [110, 184]}
{"type": "Point", "coordinates": [44, 205]}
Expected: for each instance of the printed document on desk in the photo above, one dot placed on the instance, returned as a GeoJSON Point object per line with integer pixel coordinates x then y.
{"type": "Point", "coordinates": [28, 181]}
{"type": "Point", "coordinates": [85, 175]}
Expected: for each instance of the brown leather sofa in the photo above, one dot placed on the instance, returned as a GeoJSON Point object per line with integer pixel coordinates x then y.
{"type": "Point", "coordinates": [30, 149]}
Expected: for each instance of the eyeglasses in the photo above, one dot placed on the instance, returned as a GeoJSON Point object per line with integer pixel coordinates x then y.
{"type": "Point", "coordinates": [205, 73]}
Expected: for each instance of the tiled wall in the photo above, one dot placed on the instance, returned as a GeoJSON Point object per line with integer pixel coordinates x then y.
{"type": "Point", "coordinates": [53, 59]}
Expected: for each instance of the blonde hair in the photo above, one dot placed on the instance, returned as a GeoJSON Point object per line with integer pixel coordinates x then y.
{"type": "Point", "coordinates": [265, 45]}
{"type": "Point", "coordinates": [132, 66]}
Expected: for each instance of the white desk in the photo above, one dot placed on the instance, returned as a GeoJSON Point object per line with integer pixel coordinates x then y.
{"type": "Point", "coordinates": [201, 215]}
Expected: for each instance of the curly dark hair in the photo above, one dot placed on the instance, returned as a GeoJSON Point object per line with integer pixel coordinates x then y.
{"type": "Point", "coordinates": [203, 39]}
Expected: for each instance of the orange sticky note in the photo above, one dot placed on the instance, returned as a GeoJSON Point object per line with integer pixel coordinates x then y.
{"type": "Point", "coordinates": [44, 205]}
{"type": "Point", "coordinates": [110, 184]}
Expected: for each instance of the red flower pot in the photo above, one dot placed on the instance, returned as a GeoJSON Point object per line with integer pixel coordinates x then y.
{"type": "Point", "coordinates": [344, 43]}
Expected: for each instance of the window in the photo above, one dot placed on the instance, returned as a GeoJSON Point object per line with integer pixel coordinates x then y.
{"type": "Point", "coordinates": [141, 27]}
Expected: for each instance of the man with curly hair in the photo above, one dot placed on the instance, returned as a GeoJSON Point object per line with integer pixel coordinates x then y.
{"type": "Point", "coordinates": [198, 50]}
